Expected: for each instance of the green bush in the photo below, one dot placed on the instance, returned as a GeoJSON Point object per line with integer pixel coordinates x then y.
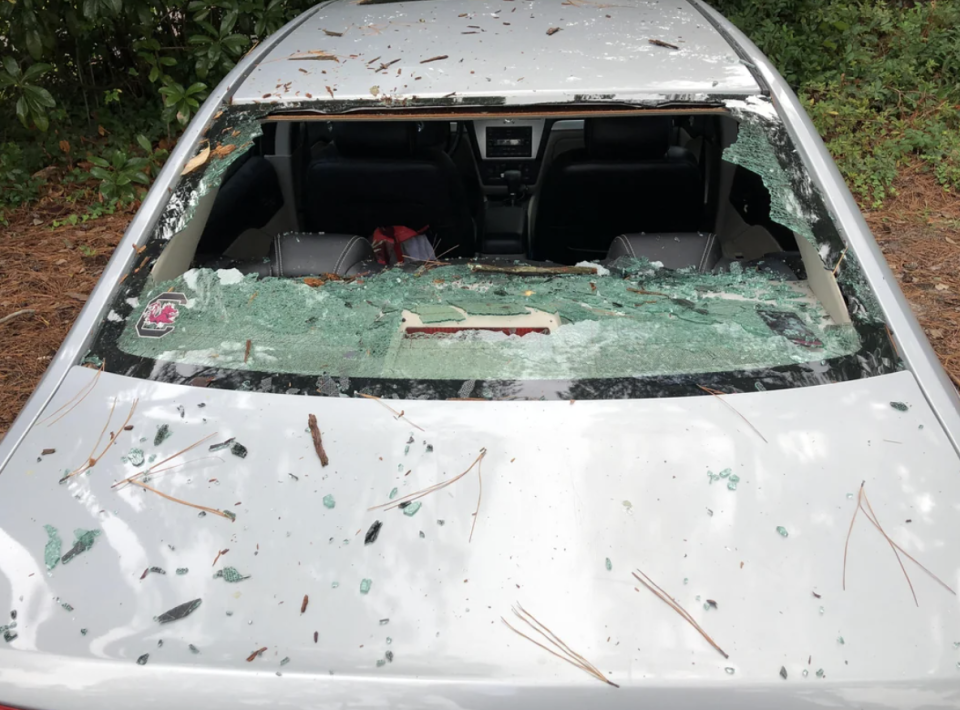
{"type": "Point", "coordinates": [880, 79]}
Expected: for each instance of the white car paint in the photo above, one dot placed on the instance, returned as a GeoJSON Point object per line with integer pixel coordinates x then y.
{"type": "Point", "coordinates": [556, 481]}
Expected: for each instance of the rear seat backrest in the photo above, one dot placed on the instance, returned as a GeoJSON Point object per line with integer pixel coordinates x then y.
{"type": "Point", "coordinates": [378, 174]}
{"type": "Point", "coordinates": [628, 179]}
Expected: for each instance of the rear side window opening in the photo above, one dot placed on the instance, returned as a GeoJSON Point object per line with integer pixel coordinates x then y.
{"type": "Point", "coordinates": [599, 257]}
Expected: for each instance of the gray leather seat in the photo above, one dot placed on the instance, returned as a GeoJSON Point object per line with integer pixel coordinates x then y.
{"type": "Point", "coordinates": [297, 254]}
{"type": "Point", "coordinates": [675, 251]}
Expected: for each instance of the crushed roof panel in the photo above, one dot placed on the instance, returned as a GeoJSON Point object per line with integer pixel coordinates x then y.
{"type": "Point", "coordinates": [515, 53]}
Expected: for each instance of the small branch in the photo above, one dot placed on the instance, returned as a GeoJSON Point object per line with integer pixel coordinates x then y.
{"type": "Point", "coordinates": [17, 314]}
{"type": "Point", "coordinates": [317, 443]}
{"type": "Point", "coordinates": [479, 497]}
{"type": "Point", "coordinates": [839, 261]}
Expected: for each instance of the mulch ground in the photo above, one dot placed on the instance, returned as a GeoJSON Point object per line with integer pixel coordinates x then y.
{"type": "Point", "coordinates": [47, 273]}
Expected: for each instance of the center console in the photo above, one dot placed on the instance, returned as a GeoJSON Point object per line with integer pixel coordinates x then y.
{"type": "Point", "coordinates": [508, 144]}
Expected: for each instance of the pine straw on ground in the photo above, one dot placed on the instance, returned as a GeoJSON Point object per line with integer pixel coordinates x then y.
{"type": "Point", "coordinates": [46, 270]}
{"type": "Point", "coordinates": [51, 272]}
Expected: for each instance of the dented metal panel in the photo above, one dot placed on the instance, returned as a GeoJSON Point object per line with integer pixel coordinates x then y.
{"type": "Point", "coordinates": [498, 53]}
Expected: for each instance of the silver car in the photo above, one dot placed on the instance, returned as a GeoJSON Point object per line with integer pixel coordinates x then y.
{"type": "Point", "coordinates": [484, 354]}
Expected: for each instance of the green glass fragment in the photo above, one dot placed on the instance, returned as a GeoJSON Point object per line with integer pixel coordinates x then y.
{"type": "Point", "coordinates": [389, 640]}
{"type": "Point", "coordinates": [434, 313]}
{"type": "Point", "coordinates": [725, 473]}
{"type": "Point", "coordinates": [238, 449]}
{"type": "Point", "coordinates": [729, 670]}
{"type": "Point", "coordinates": [180, 612]}
{"type": "Point", "coordinates": [782, 530]}
{"type": "Point", "coordinates": [421, 534]}
{"type": "Point", "coordinates": [805, 673]}
{"type": "Point", "coordinates": [84, 540]}
{"type": "Point", "coordinates": [412, 509]}
{"type": "Point", "coordinates": [900, 406]}
{"type": "Point", "coordinates": [381, 663]}
{"type": "Point", "coordinates": [51, 552]}
{"type": "Point", "coordinates": [193, 649]}
{"type": "Point", "coordinates": [66, 606]}
{"type": "Point", "coordinates": [135, 457]}
{"type": "Point", "coordinates": [393, 494]}
{"type": "Point", "coordinates": [230, 574]}
{"type": "Point", "coordinates": [608, 564]}
{"type": "Point", "coordinates": [365, 586]}
{"type": "Point", "coordinates": [328, 501]}
{"type": "Point", "coordinates": [142, 660]}
{"type": "Point", "coordinates": [384, 622]}
{"type": "Point", "coordinates": [83, 632]}
{"type": "Point", "coordinates": [285, 661]}
{"type": "Point", "coordinates": [163, 433]}
{"type": "Point", "coordinates": [820, 673]}
{"type": "Point", "coordinates": [840, 640]}
{"type": "Point", "coordinates": [182, 570]}
{"type": "Point", "coordinates": [334, 585]}
{"type": "Point", "coordinates": [733, 481]}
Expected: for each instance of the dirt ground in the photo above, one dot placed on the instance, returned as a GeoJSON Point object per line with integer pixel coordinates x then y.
{"type": "Point", "coordinates": [47, 273]}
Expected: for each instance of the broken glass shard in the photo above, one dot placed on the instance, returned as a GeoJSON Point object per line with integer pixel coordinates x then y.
{"type": "Point", "coordinates": [230, 574]}
{"type": "Point", "coordinates": [182, 570]}
{"type": "Point", "coordinates": [729, 670]}
{"type": "Point", "coordinates": [899, 406]}
{"type": "Point", "coordinates": [157, 570]}
{"type": "Point", "coordinates": [83, 632]}
{"type": "Point", "coordinates": [429, 448]}
{"type": "Point", "coordinates": [134, 457]}
{"type": "Point", "coordinates": [365, 586]}
{"type": "Point", "coordinates": [238, 449]}
{"type": "Point", "coordinates": [334, 585]}
{"type": "Point", "coordinates": [51, 552]}
{"type": "Point", "coordinates": [805, 673]}
{"type": "Point", "coordinates": [193, 649]}
{"type": "Point", "coordinates": [412, 509]}
{"type": "Point", "coordinates": [384, 622]}
{"type": "Point", "coordinates": [159, 643]}
{"type": "Point", "coordinates": [393, 494]}
{"type": "Point", "coordinates": [421, 534]}
{"type": "Point", "coordinates": [821, 611]}
{"type": "Point", "coordinates": [285, 661]}
{"type": "Point", "coordinates": [820, 673]}
{"type": "Point", "coordinates": [389, 656]}
{"type": "Point", "coordinates": [372, 533]}
{"type": "Point", "coordinates": [179, 612]}
{"type": "Point", "coordinates": [66, 606]}
{"type": "Point", "coordinates": [328, 501]}
{"type": "Point", "coordinates": [84, 541]}
{"type": "Point", "coordinates": [733, 481]}
{"type": "Point", "coordinates": [725, 473]}
{"type": "Point", "coordinates": [389, 640]}
{"type": "Point", "coordinates": [381, 663]}
{"type": "Point", "coordinates": [782, 530]}
{"type": "Point", "coordinates": [608, 564]}
{"type": "Point", "coordinates": [221, 446]}
{"type": "Point", "coordinates": [163, 433]}
{"type": "Point", "coordinates": [840, 640]}
{"type": "Point", "coordinates": [441, 523]}
{"type": "Point", "coordinates": [142, 661]}
{"type": "Point", "coordinates": [783, 672]}
{"type": "Point", "coordinates": [9, 635]}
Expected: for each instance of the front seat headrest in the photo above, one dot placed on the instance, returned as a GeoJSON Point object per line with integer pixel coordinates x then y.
{"type": "Point", "coordinates": [634, 138]}
{"type": "Point", "coordinates": [377, 139]}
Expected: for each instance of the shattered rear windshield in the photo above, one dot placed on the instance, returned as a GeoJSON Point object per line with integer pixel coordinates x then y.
{"type": "Point", "coordinates": [471, 328]}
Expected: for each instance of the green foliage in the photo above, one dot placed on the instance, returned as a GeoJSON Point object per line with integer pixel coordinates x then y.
{"type": "Point", "coordinates": [879, 78]}
{"type": "Point", "coordinates": [32, 101]}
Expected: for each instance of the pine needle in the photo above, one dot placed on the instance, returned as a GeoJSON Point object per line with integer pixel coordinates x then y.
{"type": "Point", "coordinates": [70, 402]}
{"type": "Point", "coordinates": [181, 502]}
{"type": "Point", "coordinates": [95, 457]}
{"type": "Point", "coordinates": [871, 516]}
{"type": "Point", "coordinates": [717, 394]}
{"type": "Point", "coordinates": [677, 607]}
{"type": "Point", "coordinates": [479, 497]}
{"type": "Point", "coordinates": [563, 651]}
{"type": "Point", "coordinates": [154, 468]}
{"type": "Point", "coordinates": [399, 415]}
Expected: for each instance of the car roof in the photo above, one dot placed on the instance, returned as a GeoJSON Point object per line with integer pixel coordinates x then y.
{"type": "Point", "coordinates": [346, 54]}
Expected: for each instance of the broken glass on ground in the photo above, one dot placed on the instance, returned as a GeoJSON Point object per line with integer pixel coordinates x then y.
{"type": "Point", "coordinates": [84, 540]}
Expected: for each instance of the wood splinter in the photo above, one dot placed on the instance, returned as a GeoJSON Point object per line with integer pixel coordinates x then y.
{"type": "Point", "coordinates": [317, 443]}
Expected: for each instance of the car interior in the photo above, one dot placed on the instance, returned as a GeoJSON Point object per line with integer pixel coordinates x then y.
{"type": "Point", "coordinates": [306, 198]}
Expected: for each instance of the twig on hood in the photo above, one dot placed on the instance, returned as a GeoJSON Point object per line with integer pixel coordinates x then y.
{"type": "Point", "coordinates": [677, 607]}
{"type": "Point", "coordinates": [717, 394]}
{"type": "Point", "coordinates": [476, 513]}
{"type": "Point", "coordinates": [870, 515]}
{"type": "Point", "coordinates": [70, 402]}
{"type": "Point", "coordinates": [563, 651]}
{"type": "Point", "coordinates": [95, 457]}
{"type": "Point", "coordinates": [399, 415]}
{"type": "Point", "coordinates": [317, 442]}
